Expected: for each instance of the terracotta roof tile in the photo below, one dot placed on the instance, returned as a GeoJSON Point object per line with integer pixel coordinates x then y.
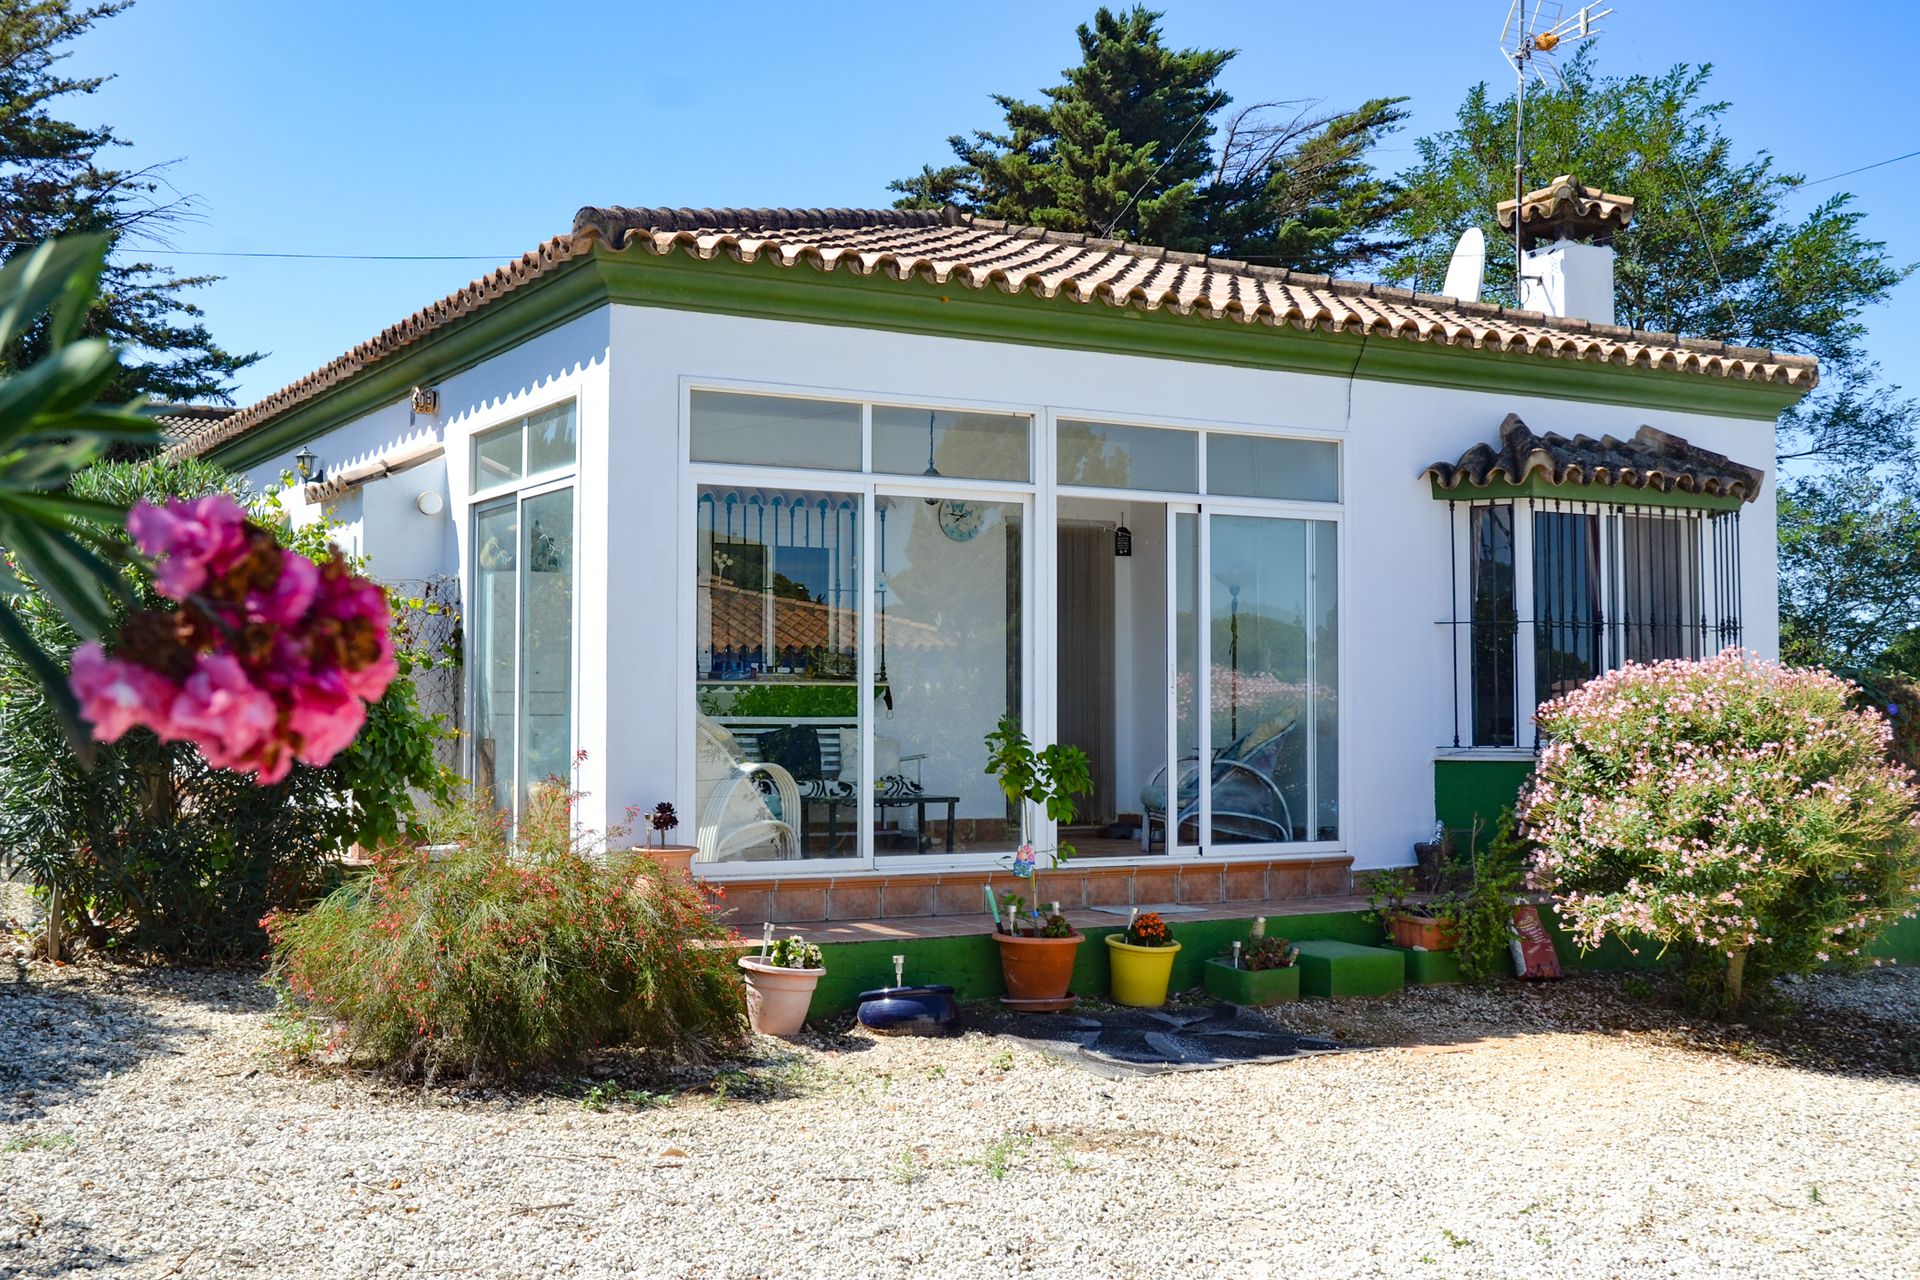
{"type": "Point", "coordinates": [1565, 206]}
{"type": "Point", "coordinates": [942, 246]}
{"type": "Point", "coordinates": [1651, 460]}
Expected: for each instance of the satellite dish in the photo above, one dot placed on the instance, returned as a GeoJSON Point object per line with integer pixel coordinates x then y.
{"type": "Point", "coordinates": [1468, 270]}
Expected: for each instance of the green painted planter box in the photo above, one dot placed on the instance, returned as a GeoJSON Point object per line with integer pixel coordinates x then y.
{"type": "Point", "coordinates": [1248, 986]}
{"type": "Point", "coordinates": [1330, 968]}
{"type": "Point", "coordinates": [1429, 968]}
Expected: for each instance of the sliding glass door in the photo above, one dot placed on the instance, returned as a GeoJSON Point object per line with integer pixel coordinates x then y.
{"type": "Point", "coordinates": [1255, 740]}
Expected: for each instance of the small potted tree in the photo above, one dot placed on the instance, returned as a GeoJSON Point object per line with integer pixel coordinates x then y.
{"type": "Point", "coordinates": [780, 983]}
{"type": "Point", "coordinates": [1142, 960]}
{"type": "Point", "coordinates": [1036, 952]}
{"type": "Point", "coordinates": [1264, 971]}
{"type": "Point", "coordinates": [672, 857]}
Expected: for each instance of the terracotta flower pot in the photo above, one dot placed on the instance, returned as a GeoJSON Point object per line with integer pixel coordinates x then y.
{"type": "Point", "coordinates": [778, 997]}
{"type": "Point", "coordinates": [673, 857]}
{"type": "Point", "coordinates": [1037, 968]}
{"type": "Point", "coordinates": [1140, 974]}
{"type": "Point", "coordinates": [1421, 933]}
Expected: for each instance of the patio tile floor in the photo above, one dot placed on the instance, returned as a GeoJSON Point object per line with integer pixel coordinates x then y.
{"type": "Point", "coordinates": [901, 929]}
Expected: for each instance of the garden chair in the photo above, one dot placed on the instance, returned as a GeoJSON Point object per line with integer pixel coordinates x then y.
{"type": "Point", "coordinates": [747, 809]}
{"type": "Point", "coordinates": [1248, 804]}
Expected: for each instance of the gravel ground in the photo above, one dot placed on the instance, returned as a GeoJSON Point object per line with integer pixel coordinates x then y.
{"type": "Point", "coordinates": [148, 1129]}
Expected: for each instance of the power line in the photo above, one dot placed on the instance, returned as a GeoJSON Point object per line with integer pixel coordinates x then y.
{"type": "Point", "coordinates": [1877, 164]}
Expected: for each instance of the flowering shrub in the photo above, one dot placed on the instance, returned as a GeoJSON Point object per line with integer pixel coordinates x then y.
{"type": "Point", "coordinates": [269, 657]}
{"type": "Point", "coordinates": [1737, 811]}
{"type": "Point", "coordinates": [155, 850]}
{"type": "Point", "coordinates": [1148, 930]}
{"type": "Point", "coordinates": [795, 953]}
{"type": "Point", "coordinates": [504, 956]}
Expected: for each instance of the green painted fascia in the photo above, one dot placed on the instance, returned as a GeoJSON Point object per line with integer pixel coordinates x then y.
{"type": "Point", "coordinates": [1542, 488]}
{"type": "Point", "coordinates": [762, 289]}
{"type": "Point", "coordinates": [563, 294]}
{"type": "Point", "coordinates": [766, 290]}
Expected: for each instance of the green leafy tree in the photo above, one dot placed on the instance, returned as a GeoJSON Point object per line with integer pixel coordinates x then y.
{"type": "Point", "coordinates": [56, 180]}
{"type": "Point", "coordinates": [1124, 147]}
{"type": "Point", "coordinates": [1712, 251]}
{"type": "Point", "coordinates": [153, 847]}
{"type": "Point", "coordinates": [1849, 569]}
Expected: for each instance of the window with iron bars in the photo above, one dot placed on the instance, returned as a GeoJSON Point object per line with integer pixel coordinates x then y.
{"type": "Point", "coordinates": [1549, 593]}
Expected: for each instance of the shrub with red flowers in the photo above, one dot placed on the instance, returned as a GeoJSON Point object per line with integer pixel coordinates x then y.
{"type": "Point", "coordinates": [494, 954]}
{"type": "Point", "coordinates": [1740, 813]}
{"type": "Point", "coordinates": [268, 658]}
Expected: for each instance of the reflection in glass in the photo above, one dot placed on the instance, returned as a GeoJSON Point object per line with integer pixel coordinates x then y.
{"type": "Point", "coordinates": [973, 446]}
{"type": "Point", "coordinates": [775, 431]}
{"type": "Point", "coordinates": [1273, 634]}
{"type": "Point", "coordinates": [1264, 467]}
{"type": "Point", "coordinates": [1566, 601]}
{"type": "Point", "coordinates": [492, 662]}
{"type": "Point", "coordinates": [550, 440]}
{"type": "Point", "coordinates": [546, 641]}
{"type": "Point", "coordinates": [1113, 456]}
{"type": "Point", "coordinates": [496, 457]}
{"type": "Point", "coordinates": [777, 642]}
{"type": "Point", "coordinates": [1495, 624]}
{"type": "Point", "coordinates": [947, 617]}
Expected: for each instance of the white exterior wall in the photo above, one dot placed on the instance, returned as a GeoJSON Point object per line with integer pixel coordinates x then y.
{"type": "Point", "coordinates": [382, 521]}
{"type": "Point", "coordinates": [1396, 666]}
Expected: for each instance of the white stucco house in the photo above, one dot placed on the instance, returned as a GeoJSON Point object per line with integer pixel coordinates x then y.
{"type": "Point", "coordinates": [774, 513]}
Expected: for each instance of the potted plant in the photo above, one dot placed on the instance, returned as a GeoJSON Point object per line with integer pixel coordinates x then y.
{"type": "Point", "coordinates": [1417, 926]}
{"type": "Point", "coordinates": [780, 983]}
{"type": "Point", "coordinates": [1263, 971]}
{"type": "Point", "coordinates": [1142, 959]}
{"type": "Point", "coordinates": [1036, 952]}
{"type": "Point", "coordinates": [671, 857]}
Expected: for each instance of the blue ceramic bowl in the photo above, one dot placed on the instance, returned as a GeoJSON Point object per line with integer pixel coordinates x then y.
{"type": "Point", "coordinates": [910, 1011]}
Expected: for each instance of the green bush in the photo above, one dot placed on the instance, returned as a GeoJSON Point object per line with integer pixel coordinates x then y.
{"type": "Point", "coordinates": [1739, 813]}
{"type": "Point", "coordinates": [154, 850]}
{"type": "Point", "coordinates": [499, 957]}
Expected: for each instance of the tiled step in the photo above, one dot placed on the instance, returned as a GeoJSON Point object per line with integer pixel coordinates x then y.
{"type": "Point", "coordinates": [1330, 968]}
{"type": "Point", "coordinates": [801, 897]}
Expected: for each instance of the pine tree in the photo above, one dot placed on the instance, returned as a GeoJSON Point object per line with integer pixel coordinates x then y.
{"type": "Point", "coordinates": [1125, 148]}
{"type": "Point", "coordinates": [54, 181]}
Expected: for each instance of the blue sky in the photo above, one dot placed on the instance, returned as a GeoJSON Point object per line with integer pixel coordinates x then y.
{"type": "Point", "coordinates": [429, 127]}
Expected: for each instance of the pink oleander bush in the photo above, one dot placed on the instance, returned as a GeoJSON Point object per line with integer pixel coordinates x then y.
{"type": "Point", "coordinates": [502, 954]}
{"type": "Point", "coordinates": [1739, 813]}
{"type": "Point", "coordinates": [267, 657]}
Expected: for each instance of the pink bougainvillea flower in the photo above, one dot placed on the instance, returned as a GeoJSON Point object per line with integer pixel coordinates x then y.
{"type": "Point", "coordinates": [115, 695]}
{"type": "Point", "coordinates": [189, 540]}
{"type": "Point", "coordinates": [291, 595]}
{"type": "Point", "coordinates": [325, 715]}
{"type": "Point", "coordinates": [223, 712]}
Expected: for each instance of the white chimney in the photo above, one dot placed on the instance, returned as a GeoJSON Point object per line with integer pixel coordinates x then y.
{"type": "Point", "coordinates": [1566, 241]}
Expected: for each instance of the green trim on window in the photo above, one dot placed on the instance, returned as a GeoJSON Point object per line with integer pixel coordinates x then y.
{"type": "Point", "coordinates": [764, 290]}
{"type": "Point", "coordinates": [1540, 487]}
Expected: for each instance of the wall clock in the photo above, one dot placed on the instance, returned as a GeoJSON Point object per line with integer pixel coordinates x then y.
{"type": "Point", "coordinates": [961, 521]}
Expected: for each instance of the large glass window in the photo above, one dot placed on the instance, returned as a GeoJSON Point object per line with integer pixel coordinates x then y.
{"type": "Point", "coordinates": [520, 625]}
{"type": "Point", "coordinates": [1274, 634]}
{"type": "Point", "coordinates": [934, 442]}
{"type": "Point", "coordinates": [948, 643]}
{"type": "Point", "coordinates": [775, 431]}
{"type": "Point", "coordinates": [1112, 456]}
{"type": "Point", "coordinates": [1662, 614]}
{"type": "Point", "coordinates": [1566, 601]}
{"type": "Point", "coordinates": [777, 651]}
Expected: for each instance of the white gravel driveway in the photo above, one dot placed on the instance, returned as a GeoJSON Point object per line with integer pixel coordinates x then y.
{"type": "Point", "coordinates": [147, 1130]}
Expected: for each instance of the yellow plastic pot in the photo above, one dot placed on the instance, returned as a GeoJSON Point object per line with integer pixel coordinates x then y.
{"type": "Point", "coordinates": [1140, 974]}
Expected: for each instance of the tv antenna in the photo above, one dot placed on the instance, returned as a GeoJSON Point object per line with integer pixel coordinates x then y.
{"type": "Point", "coordinates": [1536, 33]}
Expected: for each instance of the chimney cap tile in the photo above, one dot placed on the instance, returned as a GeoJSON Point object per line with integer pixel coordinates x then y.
{"type": "Point", "coordinates": [1565, 210]}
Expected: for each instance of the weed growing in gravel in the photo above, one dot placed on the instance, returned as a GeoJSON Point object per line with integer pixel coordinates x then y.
{"type": "Point", "coordinates": [40, 1142]}
{"type": "Point", "coordinates": [999, 1156]}
{"type": "Point", "coordinates": [1458, 1242]}
{"type": "Point", "coordinates": [1813, 1194]}
{"type": "Point", "coordinates": [907, 1171]}
{"type": "Point", "coordinates": [605, 1094]}
{"type": "Point", "coordinates": [1002, 1061]}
